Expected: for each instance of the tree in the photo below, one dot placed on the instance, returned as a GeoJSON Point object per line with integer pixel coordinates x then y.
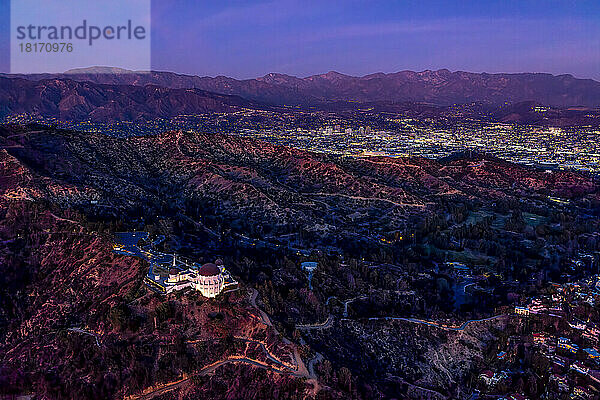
{"type": "Point", "coordinates": [345, 378]}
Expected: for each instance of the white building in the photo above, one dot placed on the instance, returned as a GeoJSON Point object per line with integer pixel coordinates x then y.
{"type": "Point", "coordinates": [210, 280]}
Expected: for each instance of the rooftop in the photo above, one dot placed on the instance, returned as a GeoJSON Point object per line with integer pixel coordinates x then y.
{"type": "Point", "coordinates": [209, 269]}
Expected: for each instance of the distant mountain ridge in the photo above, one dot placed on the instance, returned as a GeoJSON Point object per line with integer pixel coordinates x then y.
{"type": "Point", "coordinates": [441, 87]}
{"type": "Point", "coordinates": [67, 99]}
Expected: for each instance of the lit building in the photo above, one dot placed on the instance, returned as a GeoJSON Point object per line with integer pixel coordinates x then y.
{"type": "Point", "coordinates": [521, 310]}
{"type": "Point", "coordinates": [592, 332]}
{"type": "Point", "coordinates": [566, 344]}
{"type": "Point", "coordinates": [577, 324]}
{"type": "Point", "coordinates": [177, 280]}
{"type": "Point", "coordinates": [592, 353]}
{"type": "Point", "coordinates": [561, 381]}
{"type": "Point", "coordinates": [210, 280]}
{"type": "Point", "coordinates": [536, 306]}
{"type": "Point", "coordinates": [540, 338]}
{"type": "Point", "coordinates": [579, 392]}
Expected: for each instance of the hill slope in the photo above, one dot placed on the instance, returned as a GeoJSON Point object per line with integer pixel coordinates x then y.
{"type": "Point", "coordinates": [67, 99]}
{"type": "Point", "coordinates": [63, 193]}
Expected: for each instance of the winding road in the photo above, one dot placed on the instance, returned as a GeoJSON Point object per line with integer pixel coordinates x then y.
{"type": "Point", "coordinates": [207, 370]}
{"type": "Point", "coordinates": [299, 370]}
{"type": "Point", "coordinates": [433, 324]}
{"type": "Point", "coordinates": [322, 325]}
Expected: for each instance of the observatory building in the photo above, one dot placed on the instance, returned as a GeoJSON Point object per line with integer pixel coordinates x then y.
{"type": "Point", "coordinates": [210, 280]}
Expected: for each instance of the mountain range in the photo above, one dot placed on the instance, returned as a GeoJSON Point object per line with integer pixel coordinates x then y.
{"type": "Point", "coordinates": [441, 87]}
{"type": "Point", "coordinates": [67, 99]}
{"type": "Point", "coordinates": [107, 94]}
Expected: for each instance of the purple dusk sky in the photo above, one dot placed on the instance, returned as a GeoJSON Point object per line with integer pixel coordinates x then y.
{"type": "Point", "coordinates": [245, 39]}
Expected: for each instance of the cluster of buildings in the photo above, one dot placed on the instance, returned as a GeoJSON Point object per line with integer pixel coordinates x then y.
{"type": "Point", "coordinates": [573, 147]}
{"type": "Point", "coordinates": [513, 396]}
{"type": "Point", "coordinates": [568, 340]}
{"type": "Point", "coordinates": [168, 273]}
{"type": "Point", "coordinates": [209, 279]}
{"type": "Point", "coordinates": [330, 130]}
{"type": "Point", "coordinates": [545, 147]}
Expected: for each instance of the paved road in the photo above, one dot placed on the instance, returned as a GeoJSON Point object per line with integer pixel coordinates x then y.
{"type": "Point", "coordinates": [350, 301]}
{"type": "Point", "coordinates": [263, 315]}
{"type": "Point", "coordinates": [433, 324]}
{"type": "Point", "coordinates": [301, 369]}
{"type": "Point", "coordinates": [329, 321]}
{"type": "Point", "coordinates": [322, 325]}
{"type": "Point", "coordinates": [209, 369]}
{"type": "Point", "coordinates": [329, 299]}
{"type": "Point", "coordinates": [63, 219]}
{"type": "Point", "coordinates": [270, 356]}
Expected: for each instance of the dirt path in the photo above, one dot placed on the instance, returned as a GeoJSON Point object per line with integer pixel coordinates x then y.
{"type": "Point", "coordinates": [298, 370]}
{"type": "Point", "coordinates": [79, 330]}
{"type": "Point", "coordinates": [365, 199]}
{"type": "Point", "coordinates": [64, 219]}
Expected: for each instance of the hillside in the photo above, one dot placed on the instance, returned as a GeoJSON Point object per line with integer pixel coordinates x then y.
{"type": "Point", "coordinates": [71, 100]}
{"type": "Point", "coordinates": [76, 319]}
